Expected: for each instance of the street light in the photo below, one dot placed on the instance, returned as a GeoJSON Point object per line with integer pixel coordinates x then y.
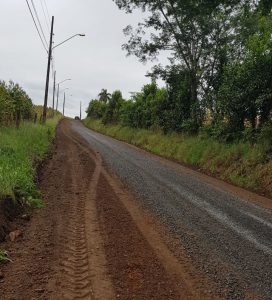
{"type": "Point", "coordinates": [58, 92]}
{"type": "Point", "coordinates": [78, 34]}
{"type": "Point", "coordinates": [48, 66]}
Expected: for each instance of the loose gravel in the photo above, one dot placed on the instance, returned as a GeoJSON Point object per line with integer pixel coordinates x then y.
{"type": "Point", "coordinates": [227, 236]}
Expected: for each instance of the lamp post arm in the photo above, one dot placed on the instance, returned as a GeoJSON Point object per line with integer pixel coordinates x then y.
{"type": "Point", "coordinates": [78, 34]}
{"type": "Point", "coordinates": [64, 80]}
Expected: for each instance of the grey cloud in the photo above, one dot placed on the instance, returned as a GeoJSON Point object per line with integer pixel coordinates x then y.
{"type": "Point", "coordinates": [93, 62]}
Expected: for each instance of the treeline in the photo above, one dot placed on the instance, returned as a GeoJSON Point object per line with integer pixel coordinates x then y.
{"type": "Point", "coordinates": [15, 104]}
{"type": "Point", "coordinates": [219, 79]}
{"type": "Point", "coordinates": [168, 109]}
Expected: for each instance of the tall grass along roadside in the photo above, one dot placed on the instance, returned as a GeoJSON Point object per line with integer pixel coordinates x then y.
{"type": "Point", "coordinates": [242, 163]}
{"type": "Point", "coordinates": [20, 150]}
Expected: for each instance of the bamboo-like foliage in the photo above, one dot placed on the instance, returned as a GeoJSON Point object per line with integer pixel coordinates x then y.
{"type": "Point", "coordinates": [15, 104]}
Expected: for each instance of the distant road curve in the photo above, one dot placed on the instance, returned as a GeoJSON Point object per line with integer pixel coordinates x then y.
{"type": "Point", "coordinates": [229, 237]}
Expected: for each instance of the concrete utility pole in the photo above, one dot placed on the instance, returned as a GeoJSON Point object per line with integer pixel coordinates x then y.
{"type": "Point", "coordinates": [48, 73]}
{"type": "Point", "coordinates": [57, 104]}
{"type": "Point", "coordinates": [54, 90]}
{"type": "Point", "coordinates": [80, 111]}
{"type": "Point", "coordinates": [58, 92]}
{"type": "Point", "coordinates": [63, 104]}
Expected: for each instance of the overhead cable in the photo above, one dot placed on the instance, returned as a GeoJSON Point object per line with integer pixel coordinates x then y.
{"type": "Point", "coordinates": [46, 7]}
{"type": "Point", "coordinates": [36, 26]}
{"type": "Point", "coordinates": [40, 25]}
{"type": "Point", "coordinates": [45, 17]}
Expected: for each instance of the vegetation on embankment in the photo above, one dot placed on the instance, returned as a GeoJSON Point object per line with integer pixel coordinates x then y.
{"type": "Point", "coordinates": [15, 104]}
{"type": "Point", "coordinates": [20, 151]}
{"type": "Point", "coordinates": [23, 141]}
{"type": "Point", "coordinates": [242, 163]}
{"type": "Point", "coordinates": [215, 110]}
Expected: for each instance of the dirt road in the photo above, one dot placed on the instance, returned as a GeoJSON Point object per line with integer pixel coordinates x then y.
{"type": "Point", "coordinates": [225, 230]}
{"type": "Point", "coordinates": [92, 241]}
{"type": "Point", "coordinates": [153, 238]}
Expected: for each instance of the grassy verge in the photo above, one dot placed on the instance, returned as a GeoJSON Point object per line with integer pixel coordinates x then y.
{"type": "Point", "coordinates": [20, 151]}
{"type": "Point", "coordinates": [243, 164]}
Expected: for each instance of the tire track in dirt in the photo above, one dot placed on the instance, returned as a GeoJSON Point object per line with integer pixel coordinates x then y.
{"type": "Point", "coordinates": [81, 265]}
{"type": "Point", "coordinates": [118, 204]}
{"type": "Point", "coordinates": [92, 241]}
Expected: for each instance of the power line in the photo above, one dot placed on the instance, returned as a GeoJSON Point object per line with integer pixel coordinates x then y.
{"type": "Point", "coordinates": [40, 25]}
{"type": "Point", "coordinates": [36, 26]}
{"type": "Point", "coordinates": [46, 9]}
{"type": "Point", "coordinates": [45, 17]}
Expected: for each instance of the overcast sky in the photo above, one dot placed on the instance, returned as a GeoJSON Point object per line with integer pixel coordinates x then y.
{"type": "Point", "coordinates": [92, 62]}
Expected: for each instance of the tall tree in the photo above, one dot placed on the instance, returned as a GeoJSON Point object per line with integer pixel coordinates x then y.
{"type": "Point", "coordinates": [193, 33]}
{"type": "Point", "coordinates": [113, 107]}
{"type": "Point", "coordinates": [104, 96]}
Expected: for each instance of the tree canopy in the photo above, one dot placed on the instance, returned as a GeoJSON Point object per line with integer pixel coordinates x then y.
{"type": "Point", "coordinates": [219, 74]}
{"type": "Point", "coordinates": [219, 57]}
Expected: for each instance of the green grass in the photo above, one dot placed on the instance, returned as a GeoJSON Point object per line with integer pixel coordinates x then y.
{"type": "Point", "coordinates": [242, 163]}
{"type": "Point", "coordinates": [20, 150]}
{"type": "Point", "coordinates": [4, 256]}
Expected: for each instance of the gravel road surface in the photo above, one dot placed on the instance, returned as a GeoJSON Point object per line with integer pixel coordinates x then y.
{"type": "Point", "coordinates": [227, 236]}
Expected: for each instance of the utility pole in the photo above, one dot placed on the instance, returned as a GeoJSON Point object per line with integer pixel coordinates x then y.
{"type": "Point", "coordinates": [57, 104]}
{"type": "Point", "coordinates": [63, 104]}
{"type": "Point", "coordinates": [48, 73]}
{"type": "Point", "coordinates": [80, 111]}
{"type": "Point", "coordinates": [54, 90]}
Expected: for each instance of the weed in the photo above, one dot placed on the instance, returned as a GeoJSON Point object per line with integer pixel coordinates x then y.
{"type": "Point", "coordinates": [4, 256]}
{"type": "Point", "coordinates": [34, 202]}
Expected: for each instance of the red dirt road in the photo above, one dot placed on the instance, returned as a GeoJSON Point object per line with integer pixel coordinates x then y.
{"type": "Point", "coordinates": [92, 241]}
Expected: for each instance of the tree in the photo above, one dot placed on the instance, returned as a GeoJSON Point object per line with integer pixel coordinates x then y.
{"type": "Point", "coordinates": [113, 108]}
{"type": "Point", "coordinates": [193, 33]}
{"type": "Point", "coordinates": [96, 109]}
{"type": "Point", "coordinates": [265, 7]}
{"type": "Point", "coordinates": [104, 96]}
{"type": "Point", "coordinates": [6, 105]}
{"type": "Point", "coordinates": [23, 106]}
{"type": "Point", "coordinates": [246, 90]}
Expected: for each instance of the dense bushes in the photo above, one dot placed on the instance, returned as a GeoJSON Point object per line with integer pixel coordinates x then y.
{"type": "Point", "coordinates": [15, 104]}
{"type": "Point", "coordinates": [167, 109]}
{"type": "Point", "coordinates": [219, 79]}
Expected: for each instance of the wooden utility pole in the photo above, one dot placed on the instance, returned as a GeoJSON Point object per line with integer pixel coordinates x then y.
{"type": "Point", "coordinates": [48, 73]}
{"type": "Point", "coordinates": [63, 104]}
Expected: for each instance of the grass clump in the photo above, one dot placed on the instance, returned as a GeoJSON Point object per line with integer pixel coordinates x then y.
{"type": "Point", "coordinates": [245, 164]}
{"type": "Point", "coordinates": [4, 256]}
{"type": "Point", "coordinates": [20, 150]}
